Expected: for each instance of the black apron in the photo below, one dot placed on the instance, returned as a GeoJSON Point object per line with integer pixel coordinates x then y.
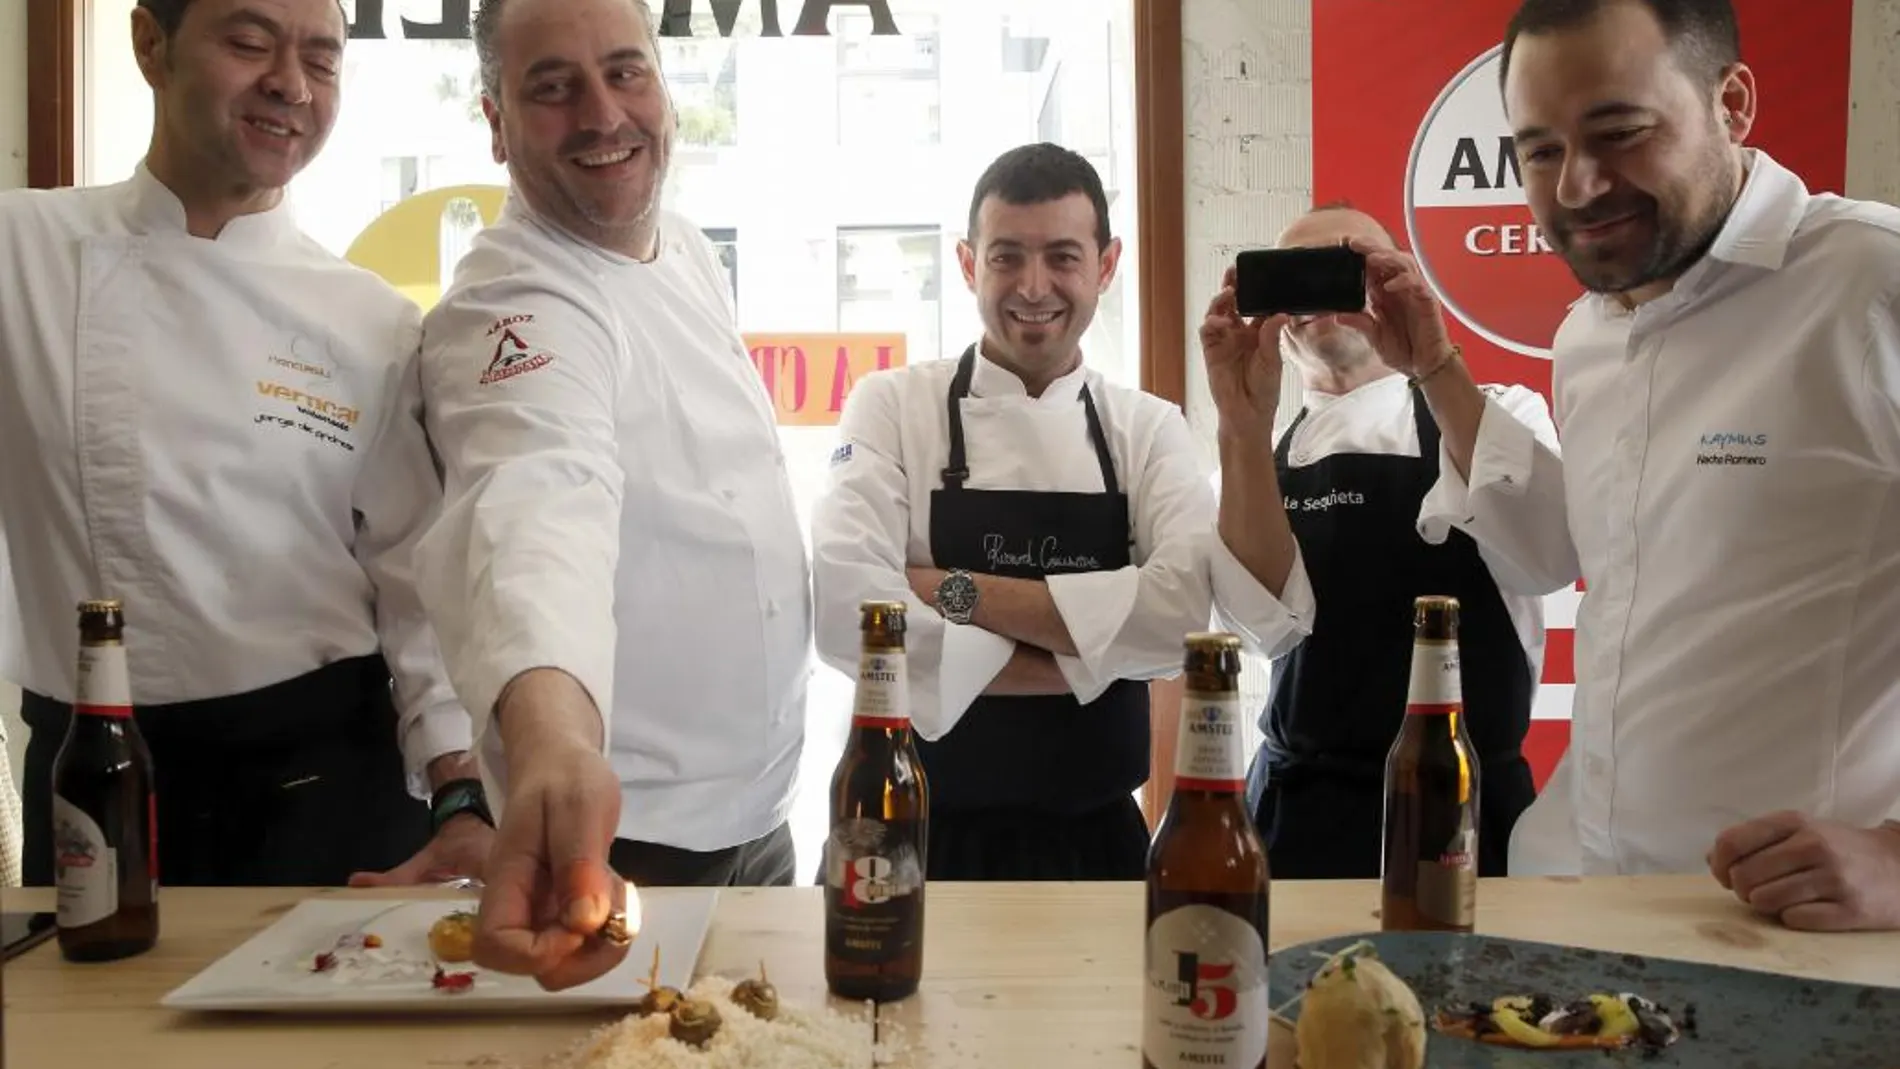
{"type": "Point", "coordinates": [1339, 698]}
{"type": "Point", "coordinates": [298, 784]}
{"type": "Point", "coordinates": [1036, 788]}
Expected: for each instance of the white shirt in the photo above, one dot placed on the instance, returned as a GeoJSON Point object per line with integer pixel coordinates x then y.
{"type": "Point", "coordinates": [1731, 488]}
{"type": "Point", "coordinates": [225, 434]}
{"type": "Point", "coordinates": [874, 522]}
{"type": "Point", "coordinates": [1376, 419]}
{"type": "Point", "coordinates": [618, 508]}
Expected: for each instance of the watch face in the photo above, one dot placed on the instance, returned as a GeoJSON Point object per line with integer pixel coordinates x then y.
{"type": "Point", "coordinates": [956, 596]}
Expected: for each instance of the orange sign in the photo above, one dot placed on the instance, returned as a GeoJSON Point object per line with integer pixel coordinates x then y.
{"type": "Point", "coordinates": [810, 375]}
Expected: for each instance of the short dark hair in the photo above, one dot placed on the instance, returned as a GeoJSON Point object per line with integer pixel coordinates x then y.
{"type": "Point", "coordinates": [169, 14]}
{"type": "Point", "coordinates": [1702, 33]}
{"type": "Point", "coordinates": [487, 22]}
{"type": "Point", "coordinates": [1344, 205]}
{"type": "Point", "coordinates": [1037, 174]}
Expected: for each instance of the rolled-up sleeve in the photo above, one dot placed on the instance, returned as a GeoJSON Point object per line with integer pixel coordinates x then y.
{"type": "Point", "coordinates": [1129, 623]}
{"type": "Point", "coordinates": [860, 528]}
{"type": "Point", "coordinates": [520, 383]}
{"type": "Point", "coordinates": [1513, 505]}
{"type": "Point", "coordinates": [396, 499]}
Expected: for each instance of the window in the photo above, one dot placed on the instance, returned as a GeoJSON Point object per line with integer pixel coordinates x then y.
{"type": "Point", "coordinates": [725, 242]}
{"type": "Point", "coordinates": [845, 163]}
{"type": "Point", "coordinates": [891, 278]}
{"type": "Point", "coordinates": [702, 71]}
{"type": "Point", "coordinates": [890, 89]}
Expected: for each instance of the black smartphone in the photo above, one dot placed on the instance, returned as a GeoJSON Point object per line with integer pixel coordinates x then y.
{"type": "Point", "coordinates": [21, 932]}
{"type": "Point", "coordinates": [1309, 281]}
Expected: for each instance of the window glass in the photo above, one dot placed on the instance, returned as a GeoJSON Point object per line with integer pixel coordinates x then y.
{"type": "Point", "coordinates": [832, 174]}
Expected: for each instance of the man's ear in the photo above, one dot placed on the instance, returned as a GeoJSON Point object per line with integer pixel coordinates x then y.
{"type": "Point", "coordinates": [1111, 258]}
{"type": "Point", "coordinates": [151, 49]}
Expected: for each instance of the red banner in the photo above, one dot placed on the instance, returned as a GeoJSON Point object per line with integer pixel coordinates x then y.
{"type": "Point", "coordinates": [1408, 125]}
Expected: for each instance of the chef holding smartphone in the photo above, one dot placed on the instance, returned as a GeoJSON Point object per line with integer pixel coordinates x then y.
{"type": "Point", "coordinates": [1354, 468]}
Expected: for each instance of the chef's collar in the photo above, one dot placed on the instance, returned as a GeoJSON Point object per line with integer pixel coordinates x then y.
{"type": "Point", "coordinates": [152, 207]}
{"type": "Point", "coordinates": [991, 379]}
{"type": "Point", "coordinates": [1384, 386]}
{"type": "Point", "coordinates": [1767, 212]}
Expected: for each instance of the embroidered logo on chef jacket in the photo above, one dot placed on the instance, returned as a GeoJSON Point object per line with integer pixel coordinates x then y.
{"type": "Point", "coordinates": [306, 358]}
{"type": "Point", "coordinates": [1730, 449]}
{"type": "Point", "coordinates": [323, 418]}
{"type": "Point", "coordinates": [513, 355]}
{"type": "Point", "coordinates": [841, 454]}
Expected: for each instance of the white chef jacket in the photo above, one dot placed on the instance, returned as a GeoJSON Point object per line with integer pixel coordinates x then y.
{"type": "Point", "coordinates": [224, 433]}
{"type": "Point", "coordinates": [874, 522]}
{"type": "Point", "coordinates": [1376, 419]}
{"type": "Point", "coordinates": [1731, 488]}
{"type": "Point", "coordinates": [618, 508]}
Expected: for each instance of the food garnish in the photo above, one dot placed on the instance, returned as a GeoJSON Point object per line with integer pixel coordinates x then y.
{"type": "Point", "coordinates": [757, 997]}
{"type": "Point", "coordinates": [1598, 1021]}
{"type": "Point", "coordinates": [658, 999]}
{"type": "Point", "coordinates": [452, 982]}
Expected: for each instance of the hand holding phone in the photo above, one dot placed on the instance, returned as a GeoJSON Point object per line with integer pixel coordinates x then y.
{"type": "Point", "coordinates": [1303, 281]}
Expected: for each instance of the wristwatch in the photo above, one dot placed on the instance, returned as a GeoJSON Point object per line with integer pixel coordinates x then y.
{"type": "Point", "coordinates": [956, 596]}
{"type": "Point", "coordinates": [455, 797]}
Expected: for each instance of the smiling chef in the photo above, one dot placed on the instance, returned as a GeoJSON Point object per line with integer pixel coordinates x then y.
{"type": "Point", "coordinates": [1055, 536]}
{"type": "Point", "coordinates": [213, 419]}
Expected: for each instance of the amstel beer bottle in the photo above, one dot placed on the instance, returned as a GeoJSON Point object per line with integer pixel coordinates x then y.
{"type": "Point", "coordinates": [105, 825]}
{"type": "Point", "coordinates": [1429, 865]}
{"type": "Point", "coordinates": [880, 829]}
{"type": "Point", "coordinates": [1205, 996]}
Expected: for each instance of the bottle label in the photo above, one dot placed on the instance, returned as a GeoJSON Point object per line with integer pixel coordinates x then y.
{"type": "Point", "coordinates": [1206, 991]}
{"type": "Point", "coordinates": [85, 867]}
{"type": "Point", "coordinates": [874, 889]}
{"type": "Point", "coordinates": [105, 687]}
{"type": "Point", "coordinates": [1448, 883]}
{"type": "Point", "coordinates": [883, 698]}
{"type": "Point", "coordinates": [1436, 686]}
{"type": "Point", "coordinates": [1209, 753]}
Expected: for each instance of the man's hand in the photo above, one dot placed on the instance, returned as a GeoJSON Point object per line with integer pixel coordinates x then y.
{"type": "Point", "coordinates": [1815, 875]}
{"type": "Point", "coordinates": [1402, 317]}
{"type": "Point", "coordinates": [549, 888]}
{"type": "Point", "coordinates": [459, 849]}
{"type": "Point", "coordinates": [1243, 365]}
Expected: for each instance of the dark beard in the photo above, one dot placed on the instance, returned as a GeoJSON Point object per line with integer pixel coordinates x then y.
{"type": "Point", "coordinates": [1676, 246]}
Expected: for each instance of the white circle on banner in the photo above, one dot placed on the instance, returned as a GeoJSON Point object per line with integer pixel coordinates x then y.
{"type": "Point", "coordinates": [1470, 226]}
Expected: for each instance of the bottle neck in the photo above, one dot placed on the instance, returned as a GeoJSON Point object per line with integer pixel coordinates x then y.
{"type": "Point", "coordinates": [104, 684]}
{"type": "Point", "coordinates": [883, 696]}
{"type": "Point", "coordinates": [1210, 752]}
{"type": "Point", "coordinates": [1437, 687]}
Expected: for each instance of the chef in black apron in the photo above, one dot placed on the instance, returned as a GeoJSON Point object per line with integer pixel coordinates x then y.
{"type": "Point", "coordinates": [1353, 491]}
{"type": "Point", "coordinates": [1049, 529]}
{"type": "Point", "coordinates": [1036, 787]}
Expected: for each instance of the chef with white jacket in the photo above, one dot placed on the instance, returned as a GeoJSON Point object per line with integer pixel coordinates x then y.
{"type": "Point", "coordinates": [1055, 536]}
{"type": "Point", "coordinates": [214, 420]}
{"type": "Point", "coordinates": [1729, 393]}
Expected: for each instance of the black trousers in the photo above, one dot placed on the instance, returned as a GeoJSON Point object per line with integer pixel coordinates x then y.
{"type": "Point", "coordinates": [299, 784]}
{"type": "Point", "coordinates": [767, 861]}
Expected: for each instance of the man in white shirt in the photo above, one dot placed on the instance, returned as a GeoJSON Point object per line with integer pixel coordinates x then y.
{"type": "Point", "coordinates": [218, 422]}
{"type": "Point", "coordinates": [1354, 469]}
{"type": "Point", "coordinates": [1051, 532]}
{"type": "Point", "coordinates": [619, 569]}
{"type": "Point", "coordinates": [1727, 392]}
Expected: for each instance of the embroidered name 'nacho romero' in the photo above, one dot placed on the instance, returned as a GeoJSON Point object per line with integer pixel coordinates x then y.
{"type": "Point", "coordinates": [513, 356]}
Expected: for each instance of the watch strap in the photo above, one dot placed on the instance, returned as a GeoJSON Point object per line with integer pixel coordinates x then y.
{"type": "Point", "coordinates": [456, 797]}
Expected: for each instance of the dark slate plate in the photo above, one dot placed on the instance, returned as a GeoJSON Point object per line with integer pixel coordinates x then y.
{"type": "Point", "coordinates": [1744, 1019]}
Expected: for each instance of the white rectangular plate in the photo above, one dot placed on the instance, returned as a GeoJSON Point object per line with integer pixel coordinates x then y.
{"type": "Point", "coordinates": [273, 971]}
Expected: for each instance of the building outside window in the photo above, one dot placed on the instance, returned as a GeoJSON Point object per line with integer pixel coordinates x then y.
{"type": "Point", "coordinates": [846, 162]}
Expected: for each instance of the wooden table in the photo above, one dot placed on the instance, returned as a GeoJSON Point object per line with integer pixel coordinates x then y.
{"type": "Point", "coordinates": [1039, 975]}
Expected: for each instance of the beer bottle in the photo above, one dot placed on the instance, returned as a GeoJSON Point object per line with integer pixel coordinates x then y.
{"type": "Point", "coordinates": [880, 827]}
{"type": "Point", "coordinates": [1429, 863]}
{"type": "Point", "coordinates": [1205, 995]}
{"type": "Point", "coordinates": [105, 824]}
